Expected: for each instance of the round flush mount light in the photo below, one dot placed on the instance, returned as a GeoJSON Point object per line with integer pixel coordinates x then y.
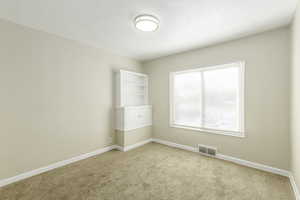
{"type": "Point", "coordinates": [146, 23]}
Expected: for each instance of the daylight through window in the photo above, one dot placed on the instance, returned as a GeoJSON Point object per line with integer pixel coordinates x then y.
{"type": "Point", "coordinates": [209, 99]}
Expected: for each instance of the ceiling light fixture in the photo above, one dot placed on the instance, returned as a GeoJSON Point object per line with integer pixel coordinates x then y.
{"type": "Point", "coordinates": [146, 23]}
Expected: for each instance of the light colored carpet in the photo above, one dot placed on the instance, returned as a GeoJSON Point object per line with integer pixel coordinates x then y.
{"type": "Point", "coordinates": [154, 172]}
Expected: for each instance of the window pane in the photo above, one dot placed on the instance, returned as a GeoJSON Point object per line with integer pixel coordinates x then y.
{"type": "Point", "coordinates": [221, 93]}
{"type": "Point", "coordinates": [187, 99]}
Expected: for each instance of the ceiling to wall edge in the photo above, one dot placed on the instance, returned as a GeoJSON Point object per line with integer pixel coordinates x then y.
{"type": "Point", "coordinates": [221, 42]}
{"type": "Point", "coordinates": [85, 44]}
{"type": "Point", "coordinates": [144, 61]}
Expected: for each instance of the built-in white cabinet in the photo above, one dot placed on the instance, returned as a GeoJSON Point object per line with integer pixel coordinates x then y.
{"type": "Point", "coordinates": [132, 109]}
{"type": "Point", "coordinates": [133, 117]}
{"type": "Point", "coordinates": [132, 89]}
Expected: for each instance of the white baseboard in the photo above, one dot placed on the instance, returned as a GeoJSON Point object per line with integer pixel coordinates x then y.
{"type": "Point", "coordinates": [118, 147]}
{"type": "Point", "coordinates": [34, 172]}
{"type": "Point", "coordinates": [229, 158]}
{"type": "Point", "coordinates": [294, 186]}
{"type": "Point", "coordinates": [262, 167]}
{"type": "Point", "coordinates": [133, 146]}
{"type": "Point", "coordinates": [254, 165]}
{"type": "Point", "coordinates": [240, 162]}
{"type": "Point", "coordinates": [172, 144]}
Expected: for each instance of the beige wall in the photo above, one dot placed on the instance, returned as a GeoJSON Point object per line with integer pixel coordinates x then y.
{"type": "Point", "coordinates": [138, 135]}
{"type": "Point", "coordinates": [56, 98]}
{"type": "Point", "coordinates": [127, 138]}
{"type": "Point", "coordinates": [266, 97]}
{"type": "Point", "coordinates": [295, 108]}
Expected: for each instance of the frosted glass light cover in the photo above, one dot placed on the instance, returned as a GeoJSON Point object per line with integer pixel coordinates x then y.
{"type": "Point", "coordinates": [146, 23]}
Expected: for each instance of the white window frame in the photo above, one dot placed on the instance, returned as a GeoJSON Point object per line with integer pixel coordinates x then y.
{"type": "Point", "coordinates": [240, 133]}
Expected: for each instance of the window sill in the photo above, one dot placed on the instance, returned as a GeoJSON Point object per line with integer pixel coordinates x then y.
{"type": "Point", "coordinates": [219, 132]}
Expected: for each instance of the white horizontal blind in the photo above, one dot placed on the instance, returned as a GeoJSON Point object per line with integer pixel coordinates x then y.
{"type": "Point", "coordinates": [209, 98]}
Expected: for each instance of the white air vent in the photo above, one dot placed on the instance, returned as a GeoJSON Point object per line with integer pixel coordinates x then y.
{"type": "Point", "coordinates": [207, 150]}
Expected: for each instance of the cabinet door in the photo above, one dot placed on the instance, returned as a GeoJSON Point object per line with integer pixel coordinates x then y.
{"type": "Point", "coordinates": [131, 119]}
{"type": "Point", "coordinates": [137, 117]}
{"type": "Point", "coordinates": [145, 116]}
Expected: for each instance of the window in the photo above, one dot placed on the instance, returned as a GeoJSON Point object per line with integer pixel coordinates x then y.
{"type": "Point", "coordinates": [209, 99]}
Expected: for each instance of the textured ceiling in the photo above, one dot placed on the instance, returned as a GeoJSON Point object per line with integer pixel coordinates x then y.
{"type": "Point", "coordinates": [185, 24]}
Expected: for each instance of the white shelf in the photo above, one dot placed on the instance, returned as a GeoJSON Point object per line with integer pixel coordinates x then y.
{"type": "Point", "coordinates": [132, 89]}
{"type": "Point", "coordinates": [135, 83]}
{"type": "Point", "coordinates": [132, 109]}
